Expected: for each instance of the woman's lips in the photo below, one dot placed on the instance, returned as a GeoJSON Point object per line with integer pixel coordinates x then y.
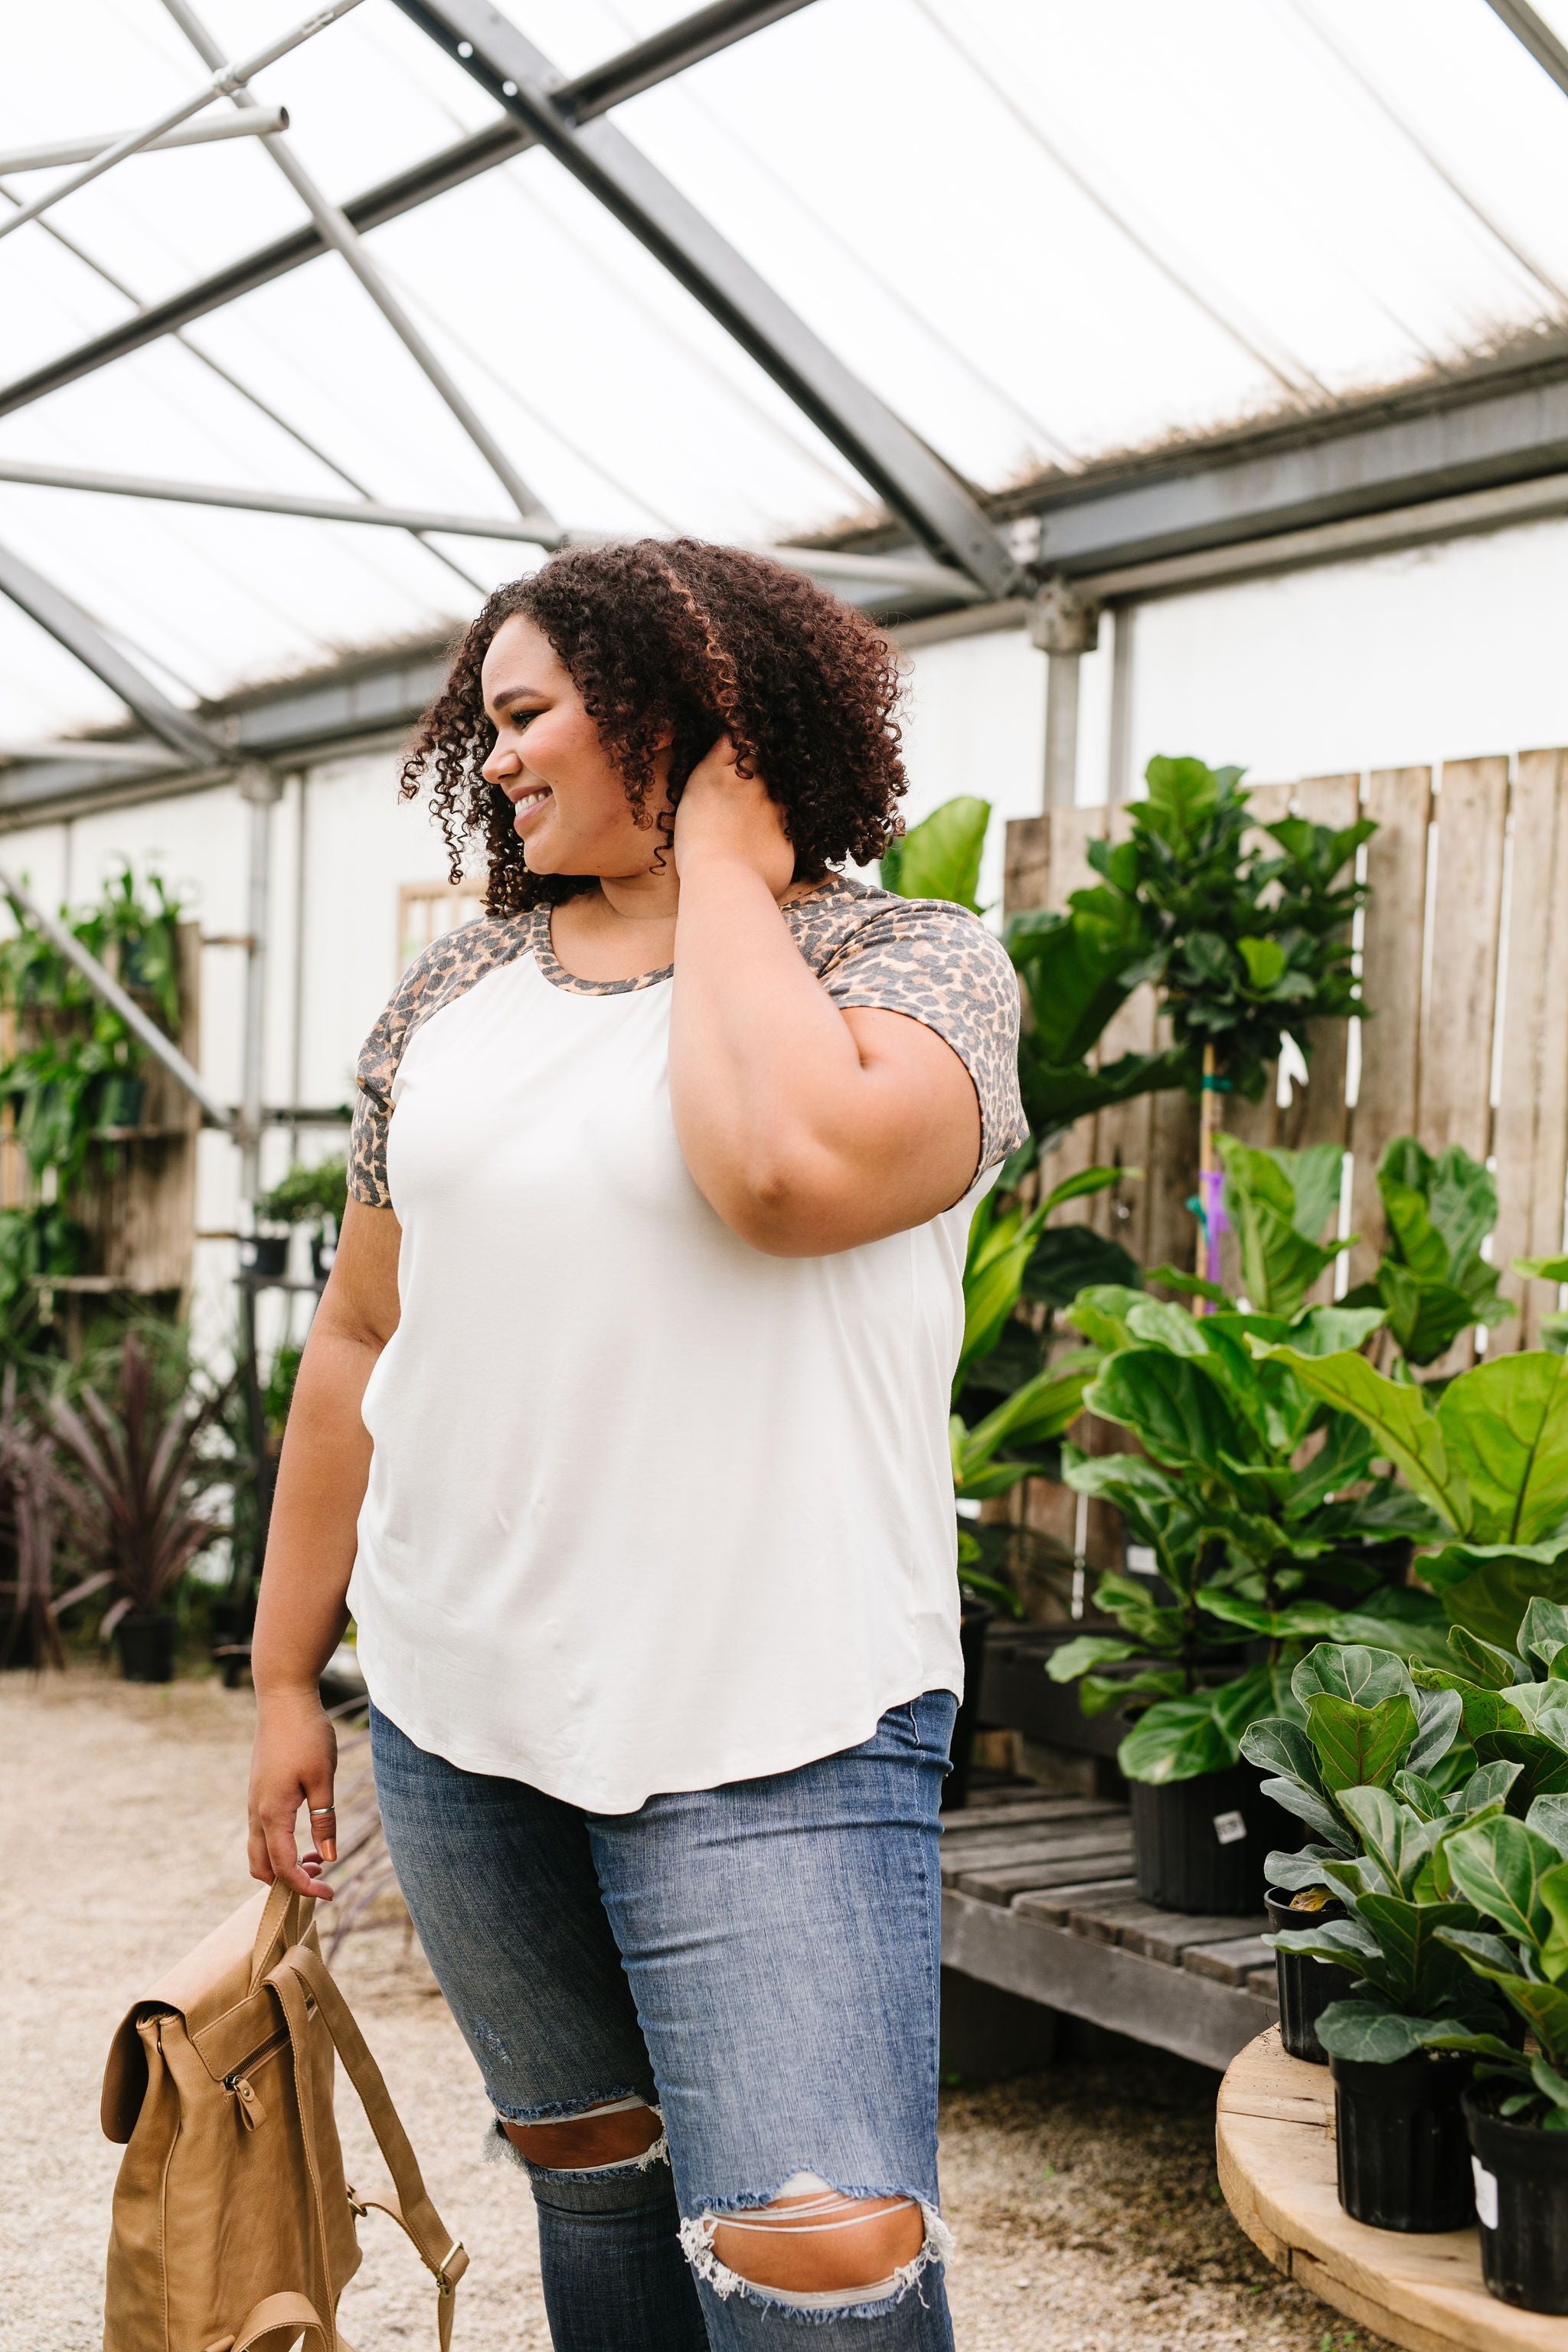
{"type": "Point", "coordinates": [528, 805]}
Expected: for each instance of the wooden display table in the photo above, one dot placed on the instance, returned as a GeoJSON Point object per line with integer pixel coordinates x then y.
{"type": "Point", "coordinates": [1275, 2141]}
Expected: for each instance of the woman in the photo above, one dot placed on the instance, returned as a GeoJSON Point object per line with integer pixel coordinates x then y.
{"type": "Point", "coordinates": [627, 1408]}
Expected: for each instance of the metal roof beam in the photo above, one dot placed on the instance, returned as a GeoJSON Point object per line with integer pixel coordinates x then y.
{"type": "Point", "coordinates": [225, 79]}
{"type": "Point", "coordinates": [190, 134]}
{"type": "Point", "coordinates": [1208, 499]}
{"type": "Point", "coordinates": [1537, 35]}
{"type": "Point", "coordinates": [587, 95]}
{"type": "Point", "coordinates": [76, 630]}
{"type": "Point", "coordinates": [899, 467]}
{"type": "Point", "coordinates": [901, 575]}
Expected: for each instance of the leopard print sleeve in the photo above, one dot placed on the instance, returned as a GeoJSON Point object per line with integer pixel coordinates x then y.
{"type": "Point", "coordinates": [940, 965]}
{"type": "Point", "coordinates": [448, 967]}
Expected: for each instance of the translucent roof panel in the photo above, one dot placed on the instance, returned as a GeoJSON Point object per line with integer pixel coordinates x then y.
{"type": "Point", "coordinates": [1044, 232]}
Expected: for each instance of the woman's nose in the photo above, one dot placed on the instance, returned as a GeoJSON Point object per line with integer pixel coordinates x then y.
{"type": "Point", "coordinates": [500, 766]}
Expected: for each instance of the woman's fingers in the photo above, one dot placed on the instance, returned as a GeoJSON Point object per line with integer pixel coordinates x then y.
{"type": "Point", "coordinates": [283, 1854]}
{"type": "Point", "coordinates": [324, 1825]}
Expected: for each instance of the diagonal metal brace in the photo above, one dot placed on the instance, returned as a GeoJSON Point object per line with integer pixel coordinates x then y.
{"type": "Point", "coordinates": [898, 464]}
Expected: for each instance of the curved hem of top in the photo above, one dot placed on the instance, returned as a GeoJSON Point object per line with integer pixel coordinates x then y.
{"type": "Point", "coordinates": [562, 1795]}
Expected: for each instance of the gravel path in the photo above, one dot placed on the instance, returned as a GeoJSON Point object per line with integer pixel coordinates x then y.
{"type": "Point", "coordinates": [1088, 2215]}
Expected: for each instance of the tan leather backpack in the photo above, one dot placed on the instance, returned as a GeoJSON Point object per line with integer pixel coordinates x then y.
{"type": "Point", "coordinates": [232, 2223]}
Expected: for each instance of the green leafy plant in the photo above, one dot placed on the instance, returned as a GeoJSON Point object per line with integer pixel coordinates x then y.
{"type": "Point", "coordinates": [1404, 1906]}
{"type": "Point", "coordinates": [314, 1194]}
{"type": "Point", "coordinates": [1488, 1457]}
{"type": "Point", "coordinates": [1514, 1874]}
{"type": "Point", "coordinates": [1263, 1513]}
{"type": "Point", "coordinates": [1433, 1281]}
{"type": "Point", "coordinates": [1245, 943]}
{"type": "Point", "coordinates": [940, 857]}
{"type": "Point", "coordinates": [1513, 1702]}
{"type": "Point", "coordinates": [1359, 1718]}
{"type": "Point", "coordinates": [1279, 1202]}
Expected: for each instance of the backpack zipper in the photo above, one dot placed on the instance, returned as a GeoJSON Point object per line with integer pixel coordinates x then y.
{"type": "Point", "coordinates": [240, 2087]}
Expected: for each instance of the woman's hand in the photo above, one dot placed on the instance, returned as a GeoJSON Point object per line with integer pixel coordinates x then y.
{"type": "Point", "coordinates": [729, 818]}
{"type": "Point", "coordinates": [292, 1764]}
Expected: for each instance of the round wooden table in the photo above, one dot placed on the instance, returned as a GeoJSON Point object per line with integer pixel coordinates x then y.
{"type": "Point", "coordinates": [1275, 2140]}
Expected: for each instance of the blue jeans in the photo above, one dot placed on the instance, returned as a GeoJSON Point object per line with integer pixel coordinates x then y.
{"type": "Point", "coordinates": [760, 1961]}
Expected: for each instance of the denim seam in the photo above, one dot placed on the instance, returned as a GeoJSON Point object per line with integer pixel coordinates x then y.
{"type": "Point", "coordinates": [697, 2233]}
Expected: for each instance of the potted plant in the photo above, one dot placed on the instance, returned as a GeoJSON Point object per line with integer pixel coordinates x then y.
{"type": "Point", "coordinates": [1357, 1720]}
{"type": "Point", "coordinates": [1397, 2045]}
{"type": "Point", "coordinates": [1515, 1875]}
{"type": "Point", "coordinates": [315, 1196]}
{"type": "Point", "coordinates": [1432, 1281]}
{"type": "Point", "coordinates": [1260, 1509]}
{"type": "Point", "coordinates": [1488, 1458]}
{"type": "Point", "coordinates": [135, 1455]}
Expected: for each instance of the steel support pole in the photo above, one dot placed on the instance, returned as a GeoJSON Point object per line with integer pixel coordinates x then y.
{"type": "Point", "coordinates": [190, 134]}
{"type": "Point", "coordinates": [1537, 35]}
{"type": "Point", "coordinates": [225, 79]}
{"type": "Point", "coordinates": [260, 790]}
{"type": "Point", "coordinates": [898, 465]}
{"type": "Point", "coordinates": [1118, 779]}
{"type": "Point", "coordinates": [341, 234]}
{"type": "Point", "coordinates": [593, 93]}
{"type": "Point", "coordinates": [1065, 626]}
{"type": "Point", "coordinates": [105, 986]}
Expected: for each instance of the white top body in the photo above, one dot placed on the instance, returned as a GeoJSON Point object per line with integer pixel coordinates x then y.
{"type": "Point", "coordinates": [647, 1509]}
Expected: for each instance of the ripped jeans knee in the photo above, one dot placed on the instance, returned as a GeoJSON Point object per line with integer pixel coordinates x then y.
{"type": "Point", "coordinates": [816, 2250]}
{"type": "Point", "coordinates": [602, 2158]}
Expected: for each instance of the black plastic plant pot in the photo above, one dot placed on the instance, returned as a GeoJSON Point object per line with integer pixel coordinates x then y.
{"type": "Point", "coordinates": [266, 1254]}
{"type": "Point", "coordinates": [145, 1640]}
{"type": "Point", "coordinates": [1521, 2179]}
{"type": "Point", "coordinates": [1199, 1845]}
{"type": "Point", "coordinates": [974, 1618]}
{"type": "Point", "coordinates": [1404, 2157]}
{"type": "Point", "coordinates": [122, 1100]}
{"type": "Point", "coordinates": [1306, 1986]}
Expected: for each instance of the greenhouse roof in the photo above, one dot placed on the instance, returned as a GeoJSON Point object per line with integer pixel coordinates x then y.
{"type": "Point", "coordinates": [1162, 274]}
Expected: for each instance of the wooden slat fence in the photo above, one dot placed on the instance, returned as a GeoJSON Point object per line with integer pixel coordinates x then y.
{"type": "Point", "coordinates": [1464, 956]}
{"type": "Point", "coordinates": [1464, 959]}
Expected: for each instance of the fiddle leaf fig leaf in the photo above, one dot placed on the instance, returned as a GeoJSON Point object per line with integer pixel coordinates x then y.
{"type": "Point", "coordinates": [1360, 1746]}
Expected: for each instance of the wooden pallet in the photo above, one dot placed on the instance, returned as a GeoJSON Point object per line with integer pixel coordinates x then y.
{"type": "Point", "coordinates": [1039, 1898]}
{"type": "Point", "coordinates": [1275, 2141]}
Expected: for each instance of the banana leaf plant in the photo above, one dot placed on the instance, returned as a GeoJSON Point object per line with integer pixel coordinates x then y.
{"type": "Point", "coordinates": [1268, 1528]}
{"type": "Point", "coordinates": [1432, 1281]}
{"type": "Point", "coordinates": [1007, 1392]}
{"type": "Point", "coordinates": [1489, 1459]}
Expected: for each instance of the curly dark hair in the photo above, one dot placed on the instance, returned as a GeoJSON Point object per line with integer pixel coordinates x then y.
{"type": "Point", "coordinates": [678, 636]}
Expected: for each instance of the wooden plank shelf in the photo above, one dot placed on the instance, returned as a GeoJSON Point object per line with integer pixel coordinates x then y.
{"type": "Point", "coordinates": [1039, 1898]}
{"type": "Point", "coordinates": [1274, 2142]}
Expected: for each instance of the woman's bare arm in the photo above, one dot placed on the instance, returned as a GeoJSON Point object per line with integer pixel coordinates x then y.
{"type": "Point", "coordinates": [301, 1615]}
{"type": "Point", "coordinates": [809, 1130]}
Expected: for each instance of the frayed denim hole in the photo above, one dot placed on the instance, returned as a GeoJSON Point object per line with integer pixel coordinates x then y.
{"type": "Point", "coordinates": [499, 2149]}
{"type": "Point", "coordinates": [697, 2231]}
{"type": "Point", "coordinates": [560, 2111]}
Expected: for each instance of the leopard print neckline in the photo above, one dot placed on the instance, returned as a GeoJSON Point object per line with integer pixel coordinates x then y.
{"type": "Point", "coordinates": [572, 983]}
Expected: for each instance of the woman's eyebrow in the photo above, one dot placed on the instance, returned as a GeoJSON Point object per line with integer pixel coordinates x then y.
{"type": "Point", "coordinates": [514, 694]}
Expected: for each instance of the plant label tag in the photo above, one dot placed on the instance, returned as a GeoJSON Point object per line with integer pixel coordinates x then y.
{"type": "Point", "coordinates": [1485, 2194]}
{"type": "Point", "coordinates": [1229, 1828]}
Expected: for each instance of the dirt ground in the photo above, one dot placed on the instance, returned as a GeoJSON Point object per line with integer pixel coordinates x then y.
{"type": "Point", "coordinates": [1084, 2199]}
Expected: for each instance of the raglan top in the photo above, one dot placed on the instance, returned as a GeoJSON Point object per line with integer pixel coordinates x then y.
{"type": "Point", "coordinates": [648, 1509]}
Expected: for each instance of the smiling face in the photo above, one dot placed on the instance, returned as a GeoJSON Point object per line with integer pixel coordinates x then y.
{"type": "Point", "coordinates": [570, 800]}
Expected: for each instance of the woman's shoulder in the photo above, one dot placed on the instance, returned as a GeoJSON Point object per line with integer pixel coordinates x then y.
{"type": "Point", "coordinates": [843, 918]}
{"type": "Point", "coordinates": [438, 975]}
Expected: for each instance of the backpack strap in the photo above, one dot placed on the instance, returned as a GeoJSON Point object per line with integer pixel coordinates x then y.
{"type": "Point", "coordinates": [300, 1972]}
{"type": "Point", "coordinates": [294, 2312]}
